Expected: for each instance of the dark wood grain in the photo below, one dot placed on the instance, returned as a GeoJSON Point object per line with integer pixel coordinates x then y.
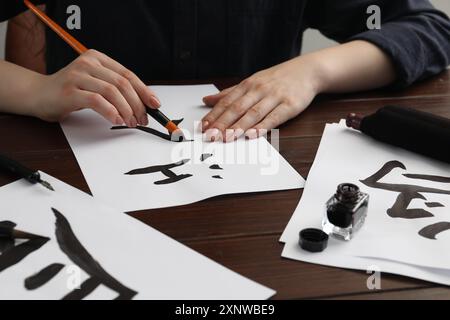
{"type": "Point", "coordinates": [242, 231]}
{"type": "Point", "coordinates": [405, 294]}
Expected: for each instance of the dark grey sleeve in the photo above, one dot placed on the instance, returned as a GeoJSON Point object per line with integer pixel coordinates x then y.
{"type": "Point", "coordinates": [413, 33]}
{"type": "Point", "coordinates": [10, 8]}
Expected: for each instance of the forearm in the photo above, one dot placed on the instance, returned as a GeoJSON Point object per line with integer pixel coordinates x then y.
{"type": "Point", "coordinates": [350, 67]}
{"type": "Point", "coordinates": [17, 88]}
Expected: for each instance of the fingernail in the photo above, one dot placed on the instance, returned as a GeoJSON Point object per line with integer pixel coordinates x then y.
{"type": "Point", "coordinates": [262, 132]}
{"type": "Point", "coordinates": [205, 125]}
{"type": "Point", "coordinates": [238, 133]}
{"type": "Point", "coordinates": [133, 122]}
{"type": "Point", "coordinates": [144, 120]}
{"type": "Point", "coordinates": [119, 121]}
{"type": "Point", "coordinates": [251, 134]}
{"type": "Point", "coordinates": [154, 102]}
{"type": "Point", "coordinates": [229, 136]}
{"type": "Point", "coordinates": [212, 135]}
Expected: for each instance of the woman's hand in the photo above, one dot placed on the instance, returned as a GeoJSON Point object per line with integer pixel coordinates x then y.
{"type": "Point", "coordinates": [95, 81]}
{"type": "Point", "coordinates": [262, 102]}
{"type": "Point", "coordinates": [273, 96]}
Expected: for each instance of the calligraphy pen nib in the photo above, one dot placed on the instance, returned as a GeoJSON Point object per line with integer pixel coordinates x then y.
{"type": "Point", "coordinates": [47, 185]}
{"type": "Point", "coordinates": [178, 136]}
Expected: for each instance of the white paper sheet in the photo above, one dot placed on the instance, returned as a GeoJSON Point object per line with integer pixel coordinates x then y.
{"type": "Point", "coordinates": [105, 156]}
{"type": "Point", "coordinates": [139, 258]}
{"type": "Point", "coordinates": [349, 156]}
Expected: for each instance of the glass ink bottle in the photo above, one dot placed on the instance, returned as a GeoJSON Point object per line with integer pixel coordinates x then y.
{"type": "Point", "coordinates": [346, 212]}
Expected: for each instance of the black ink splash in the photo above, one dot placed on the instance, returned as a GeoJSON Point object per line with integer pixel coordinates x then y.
{"type": "Point", "coordinates": [164, 169]}
{"type": "Point", "coordinates": [12, 254]}
{"type": "Point", "coordinates": [75, 251]}
{"type": "Point", "coordinates": [206, 156]}
{"type": "Point", "coordinates": [215, 167]}
{"type": "Point", "coordinates": [217, 177]}
{"type": "Point", "coordinates": [431, 231]}
{"type": "Point", "coordinates": [42, 277]}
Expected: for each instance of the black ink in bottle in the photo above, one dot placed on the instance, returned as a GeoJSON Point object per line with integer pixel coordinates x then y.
{"type": "Point", "coordinates": [346, 212]}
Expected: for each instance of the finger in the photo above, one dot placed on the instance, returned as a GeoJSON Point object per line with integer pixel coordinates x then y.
{"type": "Point", "coordinates": [147, 96]}
{"type": "Point", "coordinates": [110, 93]}
{"type": "Point", "coordinates": [97, 103]}
{"type": "Point", "coordinates": [254, 115]}
{"type": "Point", "coordinates": [126, 89]}
{"type": "Point", "coordinates": [236, 110]}
{"type": "Point", "coordinates": [278, 116]}
{"type": "Point", "coordinates": [212, 135]}
{"type": "Point", "coordinates": [221, 106]}
{"type": "Point", "coordinates": [211, 100]}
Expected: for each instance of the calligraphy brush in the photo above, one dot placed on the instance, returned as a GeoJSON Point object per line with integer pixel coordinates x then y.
{"type": "Point", "coordinates": [28, 174]}
{"type": "Point", "coordinates": [9, 233]}
{"type": "Point", "coordinates": [176, 133]}
{"type": "Point", "coordinates": [406, 128]}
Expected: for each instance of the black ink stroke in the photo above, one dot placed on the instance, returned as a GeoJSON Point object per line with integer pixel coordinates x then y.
{"type": "Point", "coordinates": [86, 288]}
{"type": "Point", "coordinates": [407, 193]}
{"type": "Point", "coordinates": [5, 228]}
{"type": "Point", "coordinates": [400, 207]}
{"type": "Point", "coordinates": [428, 178]}
{"type": "Point", "coordinates": [151, 131]}
{"type": "Point", "coordinates": [12, 254]}
{"type": "Point", "coordinates": [42, 277]}
{"type": "Point", "coordinates": [215, 167]}
{"type": "Point", "coordinates": [431, 231]}
{"type": "Point", "coordinates": [159, 168]}
{"type": "Point", "coordinates": [172, 177]}
{"type": "Point", "coordinates": [206, 156]}
{"type": "Point", "coordinates": [7, 225]}
{"type": "Point", "coordinates": [154, 132]}
{"type": "Point", "coordinates": [217, 177]}
{"type": "Point", "coordinates": [75, 251]}
{"type": "Point", "coordinates": [434, 205]}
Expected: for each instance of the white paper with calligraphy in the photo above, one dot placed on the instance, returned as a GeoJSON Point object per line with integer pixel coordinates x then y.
{"type": "Point", "coordinates": [407, 230]}
{"type": "Point", "coordinates": [84, 250]}
{"type": "Point", "coordinates": [134, 169]}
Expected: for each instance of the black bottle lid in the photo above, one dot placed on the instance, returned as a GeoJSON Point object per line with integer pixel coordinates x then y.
{"type": "Point", "coordinates": [313, 240]}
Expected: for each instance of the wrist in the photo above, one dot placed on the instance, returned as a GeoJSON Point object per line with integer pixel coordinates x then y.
{"type": "Point", "coordinates": [311, 66]}
{"type": "Point", "coordinates": [37, 100]}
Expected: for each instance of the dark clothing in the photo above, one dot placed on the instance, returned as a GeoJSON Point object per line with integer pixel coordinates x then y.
{"type": "Point", "coordinates": [179, 39]}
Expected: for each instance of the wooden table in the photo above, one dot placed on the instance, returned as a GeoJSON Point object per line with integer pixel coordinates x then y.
{"type": "Point", "coordinates": [242, 231]}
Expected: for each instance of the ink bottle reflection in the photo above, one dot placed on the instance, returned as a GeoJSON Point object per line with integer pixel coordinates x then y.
{"type": "Point", "coordinates": [346, 212]}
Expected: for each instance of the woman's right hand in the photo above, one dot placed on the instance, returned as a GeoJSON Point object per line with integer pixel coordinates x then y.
{"type": "Point", "coordinates": [98, 82]}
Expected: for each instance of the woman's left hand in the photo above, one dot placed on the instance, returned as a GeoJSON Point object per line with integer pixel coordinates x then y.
{"type": "Point", "coordinates": [262, 102]}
